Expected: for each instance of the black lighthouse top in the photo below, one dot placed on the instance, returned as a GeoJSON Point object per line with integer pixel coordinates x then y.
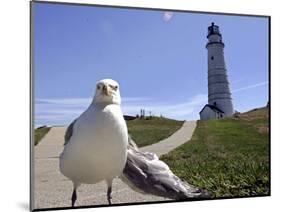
{"type": "Point", "coordinates": [213, 29]}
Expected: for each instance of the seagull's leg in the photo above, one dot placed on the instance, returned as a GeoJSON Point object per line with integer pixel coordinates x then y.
{"type": "Point", "coordinates": [74, 197]}
{"type": "Point", "coordinates": [109, 197]}
{"type": "Point", "coordinates": [109, 189]}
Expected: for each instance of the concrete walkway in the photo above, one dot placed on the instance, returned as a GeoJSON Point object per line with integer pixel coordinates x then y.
{"type": "Point", "coordinates": [53, 190]}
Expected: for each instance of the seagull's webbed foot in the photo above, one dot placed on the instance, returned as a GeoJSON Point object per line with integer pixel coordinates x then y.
{"type": "Point", "coordinates": [109, 197]}
{"type": "Point", "coordinates": [73, 198]}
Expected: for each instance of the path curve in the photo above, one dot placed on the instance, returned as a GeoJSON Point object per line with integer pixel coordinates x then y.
{"type": "Point", "coordinates": [180, 137]}
{"type": "Point", "coordinates": [53, 190]}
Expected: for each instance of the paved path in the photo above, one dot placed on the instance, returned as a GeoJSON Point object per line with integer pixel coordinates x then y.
{"type": "Point", "coordinates": [54, 190]}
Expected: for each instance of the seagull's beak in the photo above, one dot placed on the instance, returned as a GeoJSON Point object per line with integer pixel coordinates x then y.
{"type": "Point", "coordinates": [106, 90]}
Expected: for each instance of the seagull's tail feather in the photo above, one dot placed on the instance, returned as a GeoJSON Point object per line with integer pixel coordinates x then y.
{"type": "Point", "coordinates": [145, 173]}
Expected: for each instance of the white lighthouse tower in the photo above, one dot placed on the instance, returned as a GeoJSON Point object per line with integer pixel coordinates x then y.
{"type": "Point", "coordinates": [219, 95]}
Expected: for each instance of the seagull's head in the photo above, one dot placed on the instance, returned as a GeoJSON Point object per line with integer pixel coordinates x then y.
{"type": "Point", "coordinates": [107, 91]}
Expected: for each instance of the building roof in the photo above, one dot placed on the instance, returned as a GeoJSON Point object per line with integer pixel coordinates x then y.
{"type": "Point", "coordinates": [128, 118]}
{"type": "Point", "coordinates": [213, 29]}
{"type": "Point", "coordinates": [212, 107]}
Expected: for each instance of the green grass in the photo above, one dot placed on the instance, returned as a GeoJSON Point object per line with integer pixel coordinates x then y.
{"type": "Point", "coordinates": [228, 157]}
{"type": "Point", "coordinates": [40, 133]}
{"type": "Point", "coordinates": [148, 131]}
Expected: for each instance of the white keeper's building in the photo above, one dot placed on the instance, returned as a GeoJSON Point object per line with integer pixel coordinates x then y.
{"type": "Point", "coordinates": [219, 95]}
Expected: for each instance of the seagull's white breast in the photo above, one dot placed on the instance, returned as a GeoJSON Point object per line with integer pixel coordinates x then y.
{"type": "Point", "coordinates": [97, 149]}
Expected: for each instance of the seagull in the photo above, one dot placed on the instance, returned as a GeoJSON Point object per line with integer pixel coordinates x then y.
{"type": "Point", "coordinates": [98, 148]}
{"type": "Point", "coordinates": [96, 142]}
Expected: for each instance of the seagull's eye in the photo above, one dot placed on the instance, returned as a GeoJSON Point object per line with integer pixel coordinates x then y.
{"type": "Point", "coordinates": [114, 87]}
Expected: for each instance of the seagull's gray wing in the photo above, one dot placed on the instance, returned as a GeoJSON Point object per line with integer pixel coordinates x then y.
{"type": "Point", "coordinates": [69, 132]}
{"type": "Point", "coordinates": [145, 173]}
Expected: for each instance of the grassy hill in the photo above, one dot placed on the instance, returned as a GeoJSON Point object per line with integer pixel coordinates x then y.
{"type": "Point", "coordinates": [228, 157]}
{"type": "Point", "coordinates": [40, 133]}
{"type": "Point", "coordinates": [148, 131]}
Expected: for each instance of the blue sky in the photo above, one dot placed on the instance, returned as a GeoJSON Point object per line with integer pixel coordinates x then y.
{"type": "Point", "coordinates": [158, 57]}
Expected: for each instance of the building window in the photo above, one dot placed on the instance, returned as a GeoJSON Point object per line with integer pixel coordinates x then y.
{"type": "Point", "coordinates": [212, 58]}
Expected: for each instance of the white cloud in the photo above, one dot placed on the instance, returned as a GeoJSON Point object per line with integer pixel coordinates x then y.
{"type": "Point", "coordinates": [251, 86]}
{"type": "Point", "coordinates": [181, 110]}
{"type": "Point", "coordinates": [63, 111]}
{"type": "Point", "coordinates": [65, 101]}
{"type": "Point", "coordinates": [168, 16]}
{"type": "Point", "coordinates": [82, 101]}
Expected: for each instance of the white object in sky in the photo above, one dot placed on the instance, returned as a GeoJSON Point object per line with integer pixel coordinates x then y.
{"type": "Point", "coordinates": [96, 142]}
